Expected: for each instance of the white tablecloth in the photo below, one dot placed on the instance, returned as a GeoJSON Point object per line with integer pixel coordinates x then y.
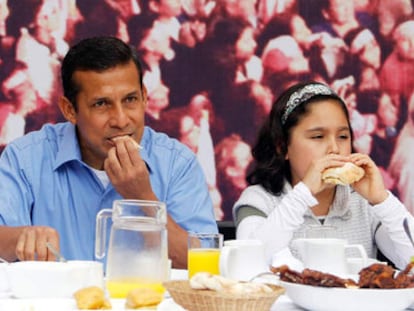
{"type": "Point", "coordinates": [10, 304]}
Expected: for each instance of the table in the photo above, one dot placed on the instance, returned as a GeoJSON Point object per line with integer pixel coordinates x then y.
{"type": "Point", "coordinates": [9, 304]}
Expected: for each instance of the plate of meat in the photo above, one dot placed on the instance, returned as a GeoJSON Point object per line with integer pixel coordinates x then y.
{"type": "Point", "coordinates": [378, 288]}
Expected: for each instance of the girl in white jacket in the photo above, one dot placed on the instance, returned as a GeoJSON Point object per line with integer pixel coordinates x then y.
{"type": "Point", "coordinates": [308, 131]}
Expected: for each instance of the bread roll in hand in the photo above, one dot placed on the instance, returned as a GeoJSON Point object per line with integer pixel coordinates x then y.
{"type": "Point", "coordinates": [343, 175]}
{"type": "Point", "coordinates": [126, 137]}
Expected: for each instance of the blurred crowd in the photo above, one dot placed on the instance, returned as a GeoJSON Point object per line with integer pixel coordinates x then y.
{"type": "Point", "coordinates": [212, 69]}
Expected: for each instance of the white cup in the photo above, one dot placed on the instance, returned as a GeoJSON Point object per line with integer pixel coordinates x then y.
{"type": "Point", "coordinates": [242, 259]}
{"type": "Point", "coordinates": [327, 255]}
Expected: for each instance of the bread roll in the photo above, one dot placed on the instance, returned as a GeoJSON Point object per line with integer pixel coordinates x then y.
{"type": "Point", "coordinates": [343, 175]}
{"type": "Point", "coordinates": [126, 137]}
{"type": "Point", "coordinates": [205, 280]}
{"type": "Point", "coordinates": [91, 298]}
{"type": "Point", "coordinates": [218, 283]}
{"type": "Point", "coordinates": [143, 297]}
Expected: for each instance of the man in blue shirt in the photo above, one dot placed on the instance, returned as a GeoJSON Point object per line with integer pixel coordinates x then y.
{"type": "Point", "coordinates": [54, 181]}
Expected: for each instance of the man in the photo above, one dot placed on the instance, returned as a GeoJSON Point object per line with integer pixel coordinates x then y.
{"type": "Point", "coordinates": [54, 181]}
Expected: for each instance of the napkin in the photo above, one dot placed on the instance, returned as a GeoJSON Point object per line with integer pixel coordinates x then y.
{"type": "Point", "coordinates": [285, 257]}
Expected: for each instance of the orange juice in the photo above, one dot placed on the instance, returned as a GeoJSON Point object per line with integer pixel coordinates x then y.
{"type": "Point", "coordinates": [203, 260]}
{"type": "Point", "coordinates": [121, 287]}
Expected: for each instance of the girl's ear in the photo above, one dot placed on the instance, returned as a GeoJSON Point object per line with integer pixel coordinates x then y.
{"type": "Point", "coordinates": [279, 150]}
{"type": "Point", "coordinates": [67, 110]}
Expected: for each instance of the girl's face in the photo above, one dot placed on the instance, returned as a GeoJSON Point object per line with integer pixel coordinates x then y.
{"type": "Point", "coordinates": [246, 45]}
{"type": "Point", "coordinates": [317, 135]}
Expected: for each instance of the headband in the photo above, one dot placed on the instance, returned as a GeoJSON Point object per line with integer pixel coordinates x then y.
{"type": "Point", "coordinates": [302, 95]}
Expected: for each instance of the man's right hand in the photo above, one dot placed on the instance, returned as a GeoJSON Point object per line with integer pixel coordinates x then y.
{"type": "Point", "coordinates": [31, 243]}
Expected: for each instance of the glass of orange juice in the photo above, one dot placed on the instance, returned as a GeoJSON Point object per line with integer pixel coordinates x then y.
{"type": "Point", "coordinates": [204, 252]}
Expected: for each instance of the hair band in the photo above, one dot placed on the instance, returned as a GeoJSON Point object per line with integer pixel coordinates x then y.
{"type": "Point", "coordinates": [302, 95]}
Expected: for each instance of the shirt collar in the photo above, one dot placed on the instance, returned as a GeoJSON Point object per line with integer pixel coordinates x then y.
{"type": "Point", "coordinates": [68, 146]}
{"type": "Point", "coordinates": [69, 149]}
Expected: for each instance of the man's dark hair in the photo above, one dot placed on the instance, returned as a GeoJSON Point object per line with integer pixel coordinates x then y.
{"type": "Point", "coordinates": [95, 54]}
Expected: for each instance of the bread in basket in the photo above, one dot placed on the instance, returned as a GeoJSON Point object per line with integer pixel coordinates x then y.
{"type": "Point", "coordinates": [213, 300]}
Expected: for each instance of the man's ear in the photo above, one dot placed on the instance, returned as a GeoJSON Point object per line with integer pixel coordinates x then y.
{"type": "Point", "coordinates": [67, 109]}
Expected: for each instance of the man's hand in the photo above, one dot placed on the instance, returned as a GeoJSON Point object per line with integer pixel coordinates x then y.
{"type": "Point", "coordinates": [129, 176]}
{"type": "Point", "coordinates": [31, 243]}
{"type": "Point", "coordinates": [128, 172]}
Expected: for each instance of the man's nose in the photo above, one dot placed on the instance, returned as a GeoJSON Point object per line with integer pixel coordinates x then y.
{"type": "Point", "coordinates": [118, 117]}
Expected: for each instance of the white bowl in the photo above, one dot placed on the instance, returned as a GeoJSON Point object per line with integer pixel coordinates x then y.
{"type": "Point", "coordinates": [4, 280]}
{"type": "Point", "coordinates": [41, 279]}
{"type": "Point", "coordinates": [348, 299]}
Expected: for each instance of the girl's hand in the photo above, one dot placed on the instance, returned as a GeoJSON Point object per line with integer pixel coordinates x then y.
{"type": "Point", "coordinates": [371, 186]}
{"type": "Point", "coordinates": [313, 177]}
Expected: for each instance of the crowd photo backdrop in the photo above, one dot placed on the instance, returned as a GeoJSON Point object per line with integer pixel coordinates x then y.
{"type": "Point", "coordinates": [212, 70]}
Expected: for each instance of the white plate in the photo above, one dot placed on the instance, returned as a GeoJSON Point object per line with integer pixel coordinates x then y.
{"type": "Point", "coordinates": [346, 299]}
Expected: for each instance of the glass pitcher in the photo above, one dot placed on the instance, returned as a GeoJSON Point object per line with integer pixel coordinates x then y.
{"type": "Point", "coordinates": [137, 250]}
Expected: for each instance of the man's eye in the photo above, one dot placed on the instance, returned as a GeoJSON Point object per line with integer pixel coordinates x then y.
{"type": "Point", "coordinates": [131, 99]}
{"type": "Point", "coordinates": [316, 136]}
{"type": "Point", "coordinates": [99, 103]}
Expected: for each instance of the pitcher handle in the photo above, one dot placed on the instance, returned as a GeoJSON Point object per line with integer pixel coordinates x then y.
{"type": "Point", "coordinates": [361, 251]}
{"type": "Point", "coordinates": [101, 229]}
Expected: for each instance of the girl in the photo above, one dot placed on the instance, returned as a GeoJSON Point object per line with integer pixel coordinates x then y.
{"type": "Point", "coordinates": [308, 131]}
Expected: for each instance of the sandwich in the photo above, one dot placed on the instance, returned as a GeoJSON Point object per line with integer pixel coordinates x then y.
{"type": "Point", "coordinates": [343, 175]}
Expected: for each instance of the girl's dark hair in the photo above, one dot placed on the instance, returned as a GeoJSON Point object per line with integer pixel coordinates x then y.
{"type": "Point", "coordinates": [270, 168]}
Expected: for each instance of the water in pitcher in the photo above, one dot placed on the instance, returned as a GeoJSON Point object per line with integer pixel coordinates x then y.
{"type": "Point", "coordinates": [145, 265]}
{"type": "Point", "coordinates": [137, 253]}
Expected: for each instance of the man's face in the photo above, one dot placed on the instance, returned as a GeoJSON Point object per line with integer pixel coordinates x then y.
{"type": "Point", "coordinates": [109, 104]}
{"type": "Point", "coordinates": [341, 11]}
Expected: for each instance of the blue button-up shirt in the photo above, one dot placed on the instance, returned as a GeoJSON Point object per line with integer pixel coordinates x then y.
{"type": "Point", "coordinates": [43, 181]}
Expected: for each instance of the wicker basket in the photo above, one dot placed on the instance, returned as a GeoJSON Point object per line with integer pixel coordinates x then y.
{"type": "Point", "coordinates": [208, 300]}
